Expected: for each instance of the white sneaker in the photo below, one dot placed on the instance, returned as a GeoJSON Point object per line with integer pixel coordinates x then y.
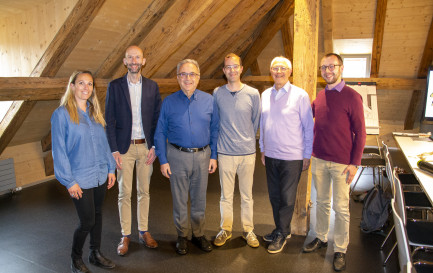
{"type": "Point", "coordinates": [251, 239]}
{"type": "Point", "coordinates": [222, 237]}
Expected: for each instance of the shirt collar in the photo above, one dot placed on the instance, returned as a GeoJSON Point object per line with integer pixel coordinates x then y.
{"type": "Point", "coordinates": [193, 96]}
{"type": "Point", "coordinates": [131, 83]}
{"type": "Point", "coordinates": [285, 88]}
{"type": "Point", "coordinates": [338, 87]}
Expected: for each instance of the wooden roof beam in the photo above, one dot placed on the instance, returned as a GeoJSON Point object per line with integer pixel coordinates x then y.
{"type": "Point", "coordinates": [173, 31]}
{"type": "Point", "coordinates": [45, 88]}
{"type": "Point", "coordinates": [135, 35]}
{"type": "Point", "coordinates": [54, 56]}
{"type": "Point", "coordinates": [268, 27]}
{"type": "Point", "coordinates": [328, 25]}
{"type": "Point", "coordinates": [305, 51]}
{"type": "Point", "coordinates": [268, 30]}
{"type": "Point", "coordinates": [379, 26]}
{"type": "Point", "coordinates": [228, 23]}
{"type": "Point", "coordinates": [233, 43]}
{"type": "Point", "coordinates": [426, 61]}
{"type": "Point", "coordinates": [286, 34]}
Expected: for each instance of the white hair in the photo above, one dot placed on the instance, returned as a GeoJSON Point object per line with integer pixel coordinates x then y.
{"type": "Point", "coordinates": [283, 60]}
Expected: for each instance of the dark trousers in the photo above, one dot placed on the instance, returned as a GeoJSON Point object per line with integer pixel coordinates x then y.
{"type": "Point", "coordinates": [89, 209]}
{"type": "Point", "coordinates": [283, 178]}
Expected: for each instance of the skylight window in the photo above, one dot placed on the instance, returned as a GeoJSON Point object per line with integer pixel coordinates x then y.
{"type": "Point", "coordinates": [356, 65]}
{"type": "Point", "coordinates": [4, 108]}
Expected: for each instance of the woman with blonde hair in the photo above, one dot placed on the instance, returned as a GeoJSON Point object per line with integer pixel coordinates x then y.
{"type": "Point", "coordinates": [82, 163]}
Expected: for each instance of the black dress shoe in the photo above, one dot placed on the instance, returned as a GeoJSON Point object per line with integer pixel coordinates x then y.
{"type": "Point", "coordinates": [182, 245]}
{"type": "Point", "coordinates": [339, 261]}
{"type": "Point", "coordinates": [314, 245]}
{"type": "Point", "coordinates": [78, 266]}
{"type": "Point", "coordinates": [96, 258]}
{"type": "Point", "coordinates": [202, 243]}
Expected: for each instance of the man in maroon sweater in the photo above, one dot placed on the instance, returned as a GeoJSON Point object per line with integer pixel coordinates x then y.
{"type": "Point", "coordinates": [339, 138]}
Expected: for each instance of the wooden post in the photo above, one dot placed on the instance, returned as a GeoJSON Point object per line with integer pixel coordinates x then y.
{"type": "Point", "coordinates": [305, 50]}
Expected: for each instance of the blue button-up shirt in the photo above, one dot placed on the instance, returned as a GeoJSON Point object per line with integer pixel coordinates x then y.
{"type": "Point", "coordinates": [80, 151]}
{"type": "Point", "coordinates": [189, 123]}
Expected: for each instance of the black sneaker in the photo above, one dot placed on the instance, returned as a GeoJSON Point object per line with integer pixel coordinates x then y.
{"type": "Point", "coordinates": [270, 236]}
{"type": "Point", "coordinates": [277, 244]}
{"type": "Point", "coordinates": [182, 245]}
{"type": "Point", "coordinates": [339, 261]}
{"type": "Point", "coordinates": [314, 245]}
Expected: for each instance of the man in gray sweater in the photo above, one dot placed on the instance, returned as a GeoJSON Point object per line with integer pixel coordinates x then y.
{"type": "Point", "coordinates": [239, 109]}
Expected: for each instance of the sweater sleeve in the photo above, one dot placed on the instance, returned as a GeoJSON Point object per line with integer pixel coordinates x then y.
{"type": "Point", "coordinates": [358, 129]}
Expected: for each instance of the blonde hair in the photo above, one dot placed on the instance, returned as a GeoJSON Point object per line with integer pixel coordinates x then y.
{"type": "Point", "coordinates": [234, 56]}
{"type": "Point", "coordinates": [69, 102]}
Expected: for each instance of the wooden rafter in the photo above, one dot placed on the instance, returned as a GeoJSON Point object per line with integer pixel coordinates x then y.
{"type": "Point", "coordinates": [268, 30]}
{"type": "Point", "coordinates": [379, 26]}
{"type": "Point", "coordinates": [427, 55]}
{"type": "Point", "coordinates": [268, 27]}
{"type": "Point", "coordinates": [136, 34]}
{"type": "Point", "coordinates": [328, 25]}
{"type": "Point", "coordinates": [286, 35]}
{"type": "Point", "coordinates": [255, 69]}
{"type": "Point", "coordinates": [228, 23]}
{"type": "Point", "coordinates": [55, 55]}
{"type": "Point", "coordinates": [426, 61]}
{"type": "Point", "coordinates": [44, 88]}
{"type": "Point", "coordinates": [173, 31]}
{"type": "Point", "coordinates": [233, 43]}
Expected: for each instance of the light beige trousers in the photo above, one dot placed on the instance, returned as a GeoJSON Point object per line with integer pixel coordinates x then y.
{"type": "Point", "coordinates": [331, 183]}
{"type": "Point", "coordinates": [136, 155]}
{"type": "Point", "coordinates": [228, 167]}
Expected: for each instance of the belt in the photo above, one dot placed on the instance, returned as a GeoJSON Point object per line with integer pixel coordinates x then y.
{"type": "Point", "coordinates": [138, 141]}
{"type": "Point", "coordinates": [188, 150]}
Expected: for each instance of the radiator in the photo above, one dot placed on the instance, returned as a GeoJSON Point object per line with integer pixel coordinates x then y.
{"type": "Point", "coordinates": [7, 175]}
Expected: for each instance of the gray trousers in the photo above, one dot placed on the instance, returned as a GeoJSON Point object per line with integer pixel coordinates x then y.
{"type": "Point", "coordinates": [189, 175]}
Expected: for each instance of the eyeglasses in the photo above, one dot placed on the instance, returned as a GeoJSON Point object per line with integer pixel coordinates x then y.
{"type": "Point", "coordinates": [331, 67]}
{"type": "Point", "coordinates": [279, 68]}
{"type": "Point", "coordinates": [230, 67]}
{"type": "Point", "coordinates": [185, 75]}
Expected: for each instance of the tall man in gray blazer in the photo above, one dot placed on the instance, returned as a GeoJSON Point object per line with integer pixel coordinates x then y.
{"type": "Point", "coordinates": [132, 109]}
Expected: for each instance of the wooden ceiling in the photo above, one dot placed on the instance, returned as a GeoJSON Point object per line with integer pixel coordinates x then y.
{"type": "Point", "coordinates": [52, 38]}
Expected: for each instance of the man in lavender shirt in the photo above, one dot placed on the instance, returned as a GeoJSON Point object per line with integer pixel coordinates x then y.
{"type": "Point", "coordinates": [286, 141]}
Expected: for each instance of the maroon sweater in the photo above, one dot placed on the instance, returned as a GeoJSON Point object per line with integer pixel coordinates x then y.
{"type": "Point", "coordinates": [339, 128]}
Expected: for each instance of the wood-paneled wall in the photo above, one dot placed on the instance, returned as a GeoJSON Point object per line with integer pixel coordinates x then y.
{"type": "Point", "coordinates": [29, 163]}
{"type": "Point", "coordinates": [26, 35]}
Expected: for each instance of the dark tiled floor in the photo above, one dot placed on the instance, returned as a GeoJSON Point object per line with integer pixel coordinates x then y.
{"type": "Point", "coordinates": [36, 227]}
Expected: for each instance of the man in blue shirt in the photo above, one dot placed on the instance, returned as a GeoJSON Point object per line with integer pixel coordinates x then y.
{"type": "Point", "coordinates": [189, 122]}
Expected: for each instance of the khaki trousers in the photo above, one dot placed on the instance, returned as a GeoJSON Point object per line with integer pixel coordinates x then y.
{"type": "Point", "coordinates": [229, 166]}
{"type": "Point", "coordinates": [136, 155]}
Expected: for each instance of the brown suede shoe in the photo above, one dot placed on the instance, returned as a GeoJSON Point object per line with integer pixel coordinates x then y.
{"type": "Point", "coordinates": [122, 247]}
{"type": "Point", "coordinates": [147, 240]}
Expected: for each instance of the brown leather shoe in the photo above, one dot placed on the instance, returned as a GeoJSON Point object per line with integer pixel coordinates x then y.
{"type": "Point", "coordinates": [147, 240]}
{"type": "Point", "coordinates": [122, 247]}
